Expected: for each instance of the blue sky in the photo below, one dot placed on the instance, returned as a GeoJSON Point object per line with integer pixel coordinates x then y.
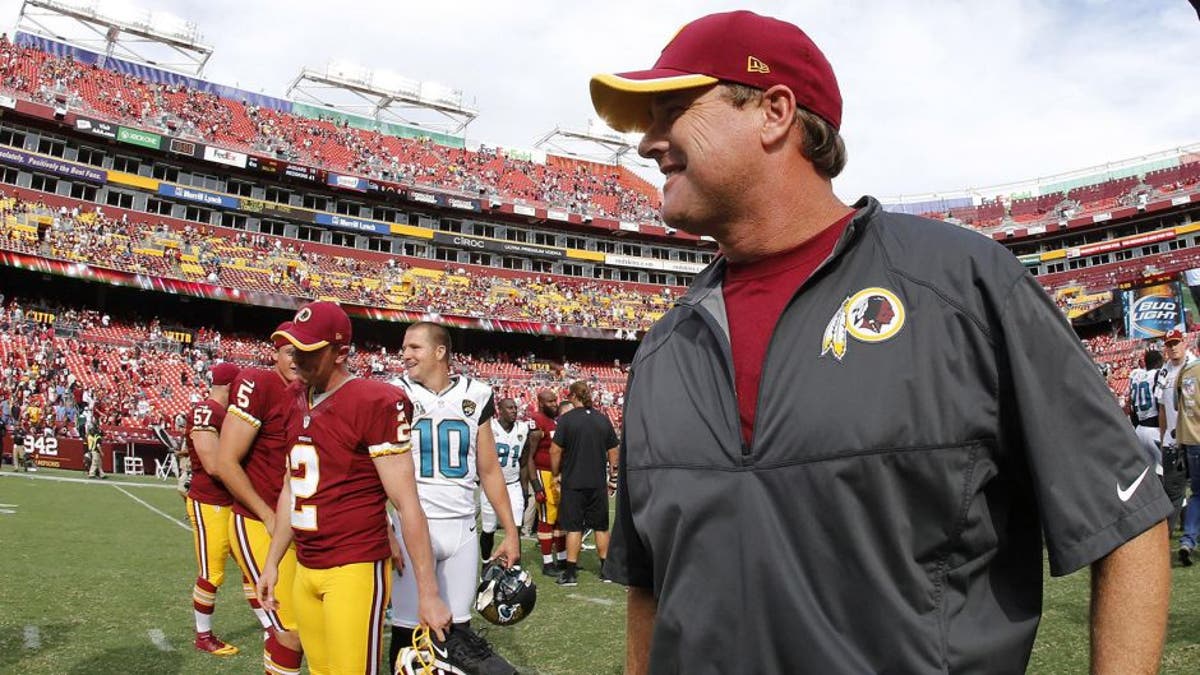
{"type": "Point", "coordinates": [939, 96]}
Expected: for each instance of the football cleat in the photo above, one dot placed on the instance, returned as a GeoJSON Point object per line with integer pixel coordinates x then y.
{"type": "Point", "coordinates": [207, 642]}
{"type": "Point", "coordinates": [505, 595]}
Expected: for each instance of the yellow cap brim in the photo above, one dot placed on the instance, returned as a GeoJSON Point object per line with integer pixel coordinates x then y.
{"type": "Point", "coordinates": [297, 343]}
{"type": "Point", "coordinates": [623, 102]}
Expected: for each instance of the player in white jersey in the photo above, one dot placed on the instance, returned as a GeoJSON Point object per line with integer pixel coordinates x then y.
{"type": "Point", "coordinates": [1174, 475]}
{"type": "Point", "coordinates": [511, 438]}
{"type": "Point", "coordinates": [452, 445]}
{"type": "Point", "coordinates": [1143, 409]}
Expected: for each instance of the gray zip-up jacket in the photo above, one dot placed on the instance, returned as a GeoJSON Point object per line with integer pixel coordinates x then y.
{"type": "Point", "coordinates": [925, 415]}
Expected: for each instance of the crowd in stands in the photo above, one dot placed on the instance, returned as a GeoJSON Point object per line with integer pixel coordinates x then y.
{"type": "Point", "coordinates": [273, 264]}
{"type": "Point", "coordinates": [1083, 200]}
{"type": "Point", "coordinates": [579, 186]}
{"type": "Point", "coordinates": [64, 367]}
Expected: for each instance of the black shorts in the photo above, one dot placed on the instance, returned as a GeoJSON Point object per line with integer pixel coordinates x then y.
{"type": "Point", "coordinates": [580, 510]}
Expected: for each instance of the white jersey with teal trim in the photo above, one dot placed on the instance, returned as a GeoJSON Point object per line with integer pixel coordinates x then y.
{"type": "Point", "coordinates": [509, 446]}
{"type": "Point", "coordinates": [444, 432]}
{"type": "Point", "coordinates": [1141, 394]}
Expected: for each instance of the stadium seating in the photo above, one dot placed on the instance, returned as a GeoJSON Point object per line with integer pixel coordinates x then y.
{"type": "Point", "coordinates": [139, 378]}
{"type": "Point", "coordinates": [258, 262]}
{"type": "Point", "coordinates": [583, 187]}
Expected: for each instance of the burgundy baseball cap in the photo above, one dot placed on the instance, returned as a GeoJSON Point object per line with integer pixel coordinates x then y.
{"type": "Point", "coordinates": [223, 373]}
{"type": "Point", "coordinates": [277, 338]}
{"type": "Point", "coordinates": [740, 47]}
{"type": "Point", "coordinates": [1173, 335]}
{"type": "Point", "coordinates": [316, 325]}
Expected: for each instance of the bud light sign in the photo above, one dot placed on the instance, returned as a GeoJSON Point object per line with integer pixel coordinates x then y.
{"type": "Point", "coordinates": [1152, 311]}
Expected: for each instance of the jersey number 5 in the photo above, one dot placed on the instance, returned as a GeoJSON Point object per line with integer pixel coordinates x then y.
{"type": "Point", "coordinates": [453, 441]}
{"type": "Point", "coordinates": [305, 475]}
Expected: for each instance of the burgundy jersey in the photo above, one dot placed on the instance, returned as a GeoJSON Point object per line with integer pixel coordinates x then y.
{"type": "Point", "coordinates": [542, 422]}
{"type": "Point", "coordinates": [206, 416]}
{"type": "Point", "coordinates": [338, 501]}
{"type": "Point", "coordinates": [260, 397]}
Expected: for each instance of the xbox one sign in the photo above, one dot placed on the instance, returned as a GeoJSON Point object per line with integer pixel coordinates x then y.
{"type": "Point", "coordinates": [145, 139]}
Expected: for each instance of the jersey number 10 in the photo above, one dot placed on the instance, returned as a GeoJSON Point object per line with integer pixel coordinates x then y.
{"type": "Point", "coordinates": [453, 443]}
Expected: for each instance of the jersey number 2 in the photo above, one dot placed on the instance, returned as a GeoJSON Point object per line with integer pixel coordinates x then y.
{"type": "Point", "coordinates": [303, 461]}
{"type": "Point", "coordinates": [453, 441]}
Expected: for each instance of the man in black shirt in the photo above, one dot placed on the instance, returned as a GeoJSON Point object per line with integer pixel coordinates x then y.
{"type": "Point", "coordinates": [583, 442]}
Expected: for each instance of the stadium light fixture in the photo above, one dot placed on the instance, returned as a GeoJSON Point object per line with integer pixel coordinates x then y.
{"type": "Point", "coordinates": [383, 96]}
{"type": "Point", "coordinates": [118, 30]}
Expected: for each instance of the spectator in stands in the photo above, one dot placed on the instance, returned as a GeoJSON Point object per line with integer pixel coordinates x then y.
{"type": "Point", "coordinates": [796, 401]}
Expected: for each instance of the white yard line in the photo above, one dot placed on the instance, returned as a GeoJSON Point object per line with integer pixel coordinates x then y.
{"type": "Point", "coordinates": [164, 515]}
{"type": "Point", "coordinates": [160, 640]}
{"type": "Point", "coordinates": [599, 601]}
{"type": "Point", "coordinates": [87, 481]}
{"type": "Point", "coordinates": [33, 637]}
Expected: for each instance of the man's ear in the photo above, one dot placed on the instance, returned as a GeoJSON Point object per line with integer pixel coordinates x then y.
{"type": "Point", "coordinates": [778, 107]}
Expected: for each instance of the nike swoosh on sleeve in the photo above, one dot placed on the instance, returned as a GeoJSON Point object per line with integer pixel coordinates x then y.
{"type": "Point", "coordinates": [1125, 494]}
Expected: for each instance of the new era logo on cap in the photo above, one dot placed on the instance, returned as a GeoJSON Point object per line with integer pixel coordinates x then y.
{"type": "Point", "coordinates": [737, 47]}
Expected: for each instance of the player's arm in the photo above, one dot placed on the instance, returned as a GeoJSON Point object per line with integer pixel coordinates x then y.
{"type": "Point", "coordinates": [491, 479]}
{"type": "Point", "coordinates": [398, 475]}
{"type": "Point", "coordinates": [556, 453]}
{"type": "Point", "coordinates": [281, 538]}
{"type": "Point", "coordinates": [1130, 593]}
{"type": "Point", "coordinates": [640, 610]}
{"type": "Point", "coordinates": [237, 436]}
{"type": "Point", "coordinates": [527, 469]}
{"type": "Point", "coordinates": [203, 437]}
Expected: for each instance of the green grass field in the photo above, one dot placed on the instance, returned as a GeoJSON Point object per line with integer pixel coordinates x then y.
{"type": "Point", "coordinates": [93, 581]}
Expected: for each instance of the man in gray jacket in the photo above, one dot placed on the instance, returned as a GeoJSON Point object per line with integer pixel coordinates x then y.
{"type": "Point", "coordinates": [843, 446]}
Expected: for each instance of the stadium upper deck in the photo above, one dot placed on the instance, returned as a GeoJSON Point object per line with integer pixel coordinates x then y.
{"type": "Point", "coordinates": [56, 73]}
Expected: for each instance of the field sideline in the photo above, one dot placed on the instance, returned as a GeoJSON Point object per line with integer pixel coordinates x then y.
{"type": "Point", "coordinates": [95, 577]}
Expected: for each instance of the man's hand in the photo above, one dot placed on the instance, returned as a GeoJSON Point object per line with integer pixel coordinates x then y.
{"type": "Point", "coordinates": [433, 612]}
{"type": "Point", "coordinates": [397, 557]}
{"type": "Point", "coordinates": [266, 588]}
{"type": "Point", "coordinates": [509, 552]}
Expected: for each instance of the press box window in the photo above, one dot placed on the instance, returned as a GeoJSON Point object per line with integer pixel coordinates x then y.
{"type": "Point", "coordinates": [43, 183]}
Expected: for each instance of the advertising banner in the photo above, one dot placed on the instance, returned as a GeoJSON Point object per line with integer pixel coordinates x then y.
{"type": "Point", "coordinates": [96, 127]}
{"type": "Point", "coordinates": [462, 203]}
{"type": "Point", "coordinates": [1151, 311]}
{"type": "Point", "coordinates": [55, 166]}
{"type": "Point", "coordinates": [471, 243]}
{"type": "Point", "coordinates": [423, 197]}
{"type": "Point", "coordinates": [144, 139]}
{"type": "Point", "coordinates": [226, 157]}
{"type": "Point", "coordinates": [654, 264]}
{"type": "Point", "coordinates": [199, 196]}
{"type": "Point", "coordinates": [276, 210]}
{"type": "Point", "coordinates": [347, 182]}
{"type": "Point", "coordinates": [356, 224]}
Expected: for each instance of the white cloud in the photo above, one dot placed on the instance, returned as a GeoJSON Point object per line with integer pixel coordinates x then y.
{"type": "Point", "coordinates": [939, 96]}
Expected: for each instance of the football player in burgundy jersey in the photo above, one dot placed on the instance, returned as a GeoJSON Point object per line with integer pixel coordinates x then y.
{"type": "Point", "coordinates": [349, 441]}
{"type": "Point", "coordinates": [251, 462]}
{"type": "Point", "coordinates": [208, 507]}
{"type": "Point", "coordinates": [551, 540]}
